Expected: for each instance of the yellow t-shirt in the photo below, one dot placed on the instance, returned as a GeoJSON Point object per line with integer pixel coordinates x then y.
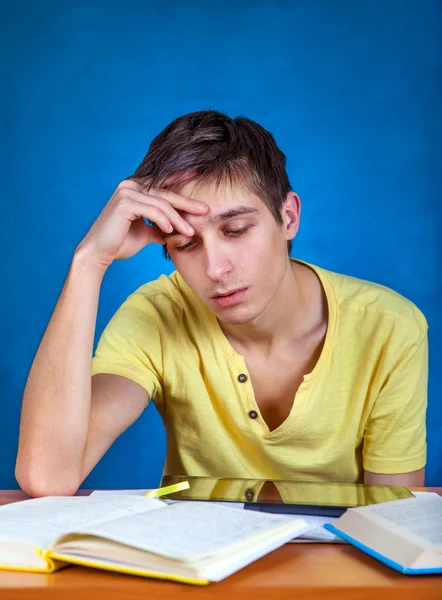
{"type": "Point", "coordinates": [362, 407]}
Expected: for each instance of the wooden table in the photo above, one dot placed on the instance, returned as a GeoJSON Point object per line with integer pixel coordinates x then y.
{"type": "Point", "coordinates": [295, 571]}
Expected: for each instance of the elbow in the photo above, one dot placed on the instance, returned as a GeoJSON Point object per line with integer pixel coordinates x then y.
{"type": "Point", "coordinates": [38, 484]}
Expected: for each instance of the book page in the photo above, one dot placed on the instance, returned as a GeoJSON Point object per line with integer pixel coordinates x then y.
{"type": "Point", "coordinates": [136, 492]}
{"type": "Point", "coordinates": [187, 530]}
{"type": "Point", "coordinates": [423, 494]}
{"type": "Point", "coordinates": [421, 516]}
{"type": "Point", "coordinates": [143, 492]}
{"type": "Point", "coordinates": [316, 532]}
{"type": "Point", "coordinates": [41, 520]}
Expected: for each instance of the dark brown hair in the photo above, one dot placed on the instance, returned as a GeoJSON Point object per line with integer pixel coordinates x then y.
{"type": "Point", "coordinates": [209, 146]}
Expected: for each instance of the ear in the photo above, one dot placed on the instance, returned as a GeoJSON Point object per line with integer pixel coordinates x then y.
{"type": "Point", "coordinates": [291, 214]}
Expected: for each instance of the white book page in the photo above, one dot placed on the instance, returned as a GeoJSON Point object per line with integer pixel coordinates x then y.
{"type": "Point", "coordinates": [41, 520]}
{"type": "Point", "coordinates": [239, 505]}
{"type": "Point", "coordinates": [421, 517]}
{"type": "Point", "coordinates": [137, 492]}
{"type": "Point", "coordinates": [187, 530]}
{"type": "Point", "coordinates": [423, 494]}
{"type": "Point", "coordinates": [316, 531]}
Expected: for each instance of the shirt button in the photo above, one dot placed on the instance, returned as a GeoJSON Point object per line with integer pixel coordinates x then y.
{"type": "Point", "coordinates": [242, 378]}
{"type": "Point", "coordinates": [253, 414]}
{"type": "Point", "coordinates": [250, 494]}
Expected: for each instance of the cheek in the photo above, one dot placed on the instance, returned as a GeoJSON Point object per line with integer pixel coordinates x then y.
{"type": "Point", "coordinates": [264, 246]}
{"type": "Point", "coordinates": [267, 259]}
{"type": "Point", "coordinates": [185, 269]}
{"type": "Point", "coordinates": [189, 273]}
{"type": "Point", "coordinates": [256, 264]}
{"type": "Point", "coordinates": [193, 272]}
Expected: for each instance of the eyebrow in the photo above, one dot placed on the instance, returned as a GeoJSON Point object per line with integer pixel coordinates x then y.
{"type": "Point", "coordinates": [224, 216]}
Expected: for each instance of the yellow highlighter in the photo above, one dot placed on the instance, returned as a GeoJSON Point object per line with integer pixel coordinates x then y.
{"type": "Point", "coordinates": [168, 489]}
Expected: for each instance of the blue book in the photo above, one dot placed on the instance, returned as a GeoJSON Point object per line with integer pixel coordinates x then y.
{"type": "Point", "coordinates": [404, 534]}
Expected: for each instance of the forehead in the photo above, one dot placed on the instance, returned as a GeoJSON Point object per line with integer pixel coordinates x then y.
{"type": "Point", "coordinates": [219, 196]}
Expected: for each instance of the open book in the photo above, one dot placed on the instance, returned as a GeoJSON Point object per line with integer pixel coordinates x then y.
{"type": "Point", "coordinates": [187, 541]}
{"type": "Point", "coordinates": [315, 531]}
{"type": "Point", "coordinates": [404, 534]}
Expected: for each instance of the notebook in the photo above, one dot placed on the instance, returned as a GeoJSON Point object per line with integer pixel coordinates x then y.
{"type": "Point", "coordinates": [189, 542]}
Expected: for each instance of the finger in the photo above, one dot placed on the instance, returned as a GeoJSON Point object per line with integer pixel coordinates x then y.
{"type": "Point", "coordinates": [150, 212]}
{"type": "Point", "coordinates": [146, 234]}
{"type": "Point", "coordinates": [157, 235]}
{"type": "Point", "coordinates": [131, 184]}
{"type": "Point", "coordinates": [177, 200]}
{"type": "Point", "coordinates": [181, 202]}
{"type": "Point", "coordinates": [174, 217]}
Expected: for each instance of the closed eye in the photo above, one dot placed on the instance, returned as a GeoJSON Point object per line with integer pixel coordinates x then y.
{"type": "Point", "coordinates": [234, 233]}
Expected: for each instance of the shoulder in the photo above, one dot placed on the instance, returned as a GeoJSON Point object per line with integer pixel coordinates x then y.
{"type": "Point", "coordinates": [376, 304]}
{"type": "Point", "coordinates": [165, 289]}
{"type": "Point", "coordinates": [165, 299]}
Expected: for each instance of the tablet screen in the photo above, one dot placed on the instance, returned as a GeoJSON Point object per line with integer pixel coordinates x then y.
{"type": "Point", "coordinates": [344, 495]}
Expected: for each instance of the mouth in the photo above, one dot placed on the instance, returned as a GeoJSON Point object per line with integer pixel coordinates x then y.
{"type": "Point", "coordinates": [230, 298]}
{"type": "Point", "coordinates": [224, 294]}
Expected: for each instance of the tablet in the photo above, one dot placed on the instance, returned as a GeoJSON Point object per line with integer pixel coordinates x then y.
{"type": "Point", "coordinates": [279, 496]}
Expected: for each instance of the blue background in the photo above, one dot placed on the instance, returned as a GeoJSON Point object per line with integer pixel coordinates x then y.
{"type": "Point", "coordinates": [352, 92]}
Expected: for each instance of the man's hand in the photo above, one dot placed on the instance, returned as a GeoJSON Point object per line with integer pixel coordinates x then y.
{"type": "Point", "coordinates": [120, 231]}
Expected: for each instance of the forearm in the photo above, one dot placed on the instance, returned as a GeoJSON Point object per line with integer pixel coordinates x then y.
{"type": "Point", "coordinates": [56, 402]}
{"type": "Point", "coordinates": [410, 479]}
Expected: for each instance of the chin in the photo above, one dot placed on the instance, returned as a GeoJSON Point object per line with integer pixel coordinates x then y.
{"type": "Point", "coordinates": [237, 315]}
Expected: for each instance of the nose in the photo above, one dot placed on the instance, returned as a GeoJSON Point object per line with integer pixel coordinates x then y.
{"type": "Point", "coordinates": [218, 264]}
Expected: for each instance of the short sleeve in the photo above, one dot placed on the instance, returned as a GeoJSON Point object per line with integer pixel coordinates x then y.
{"type": "Point", "coordinates": [395, 434]}
{"type": "Point", "coordinates": [130, 346]}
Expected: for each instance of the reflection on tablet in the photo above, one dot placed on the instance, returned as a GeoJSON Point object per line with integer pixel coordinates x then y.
{"type": "Point", "coordinates": [341, 495]}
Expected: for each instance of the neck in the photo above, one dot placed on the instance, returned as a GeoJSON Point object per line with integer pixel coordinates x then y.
{"type": "Point", "coordinates": [295, 309]}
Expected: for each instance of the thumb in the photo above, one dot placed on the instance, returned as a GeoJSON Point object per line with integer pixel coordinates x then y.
{"type": "Point", "coordinates": [154, 233]}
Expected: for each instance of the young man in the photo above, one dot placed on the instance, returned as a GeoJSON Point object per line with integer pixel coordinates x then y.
{"type": "Point", "coordinates": [261, 366]}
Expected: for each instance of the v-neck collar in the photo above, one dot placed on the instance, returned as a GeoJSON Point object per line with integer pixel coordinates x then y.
{"type": "Point", "coordinates": [237, 360]}
{"type": "Point", "coordinates": [332, 304]}
{"type": "Point", "coordinates": [297, 410]}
